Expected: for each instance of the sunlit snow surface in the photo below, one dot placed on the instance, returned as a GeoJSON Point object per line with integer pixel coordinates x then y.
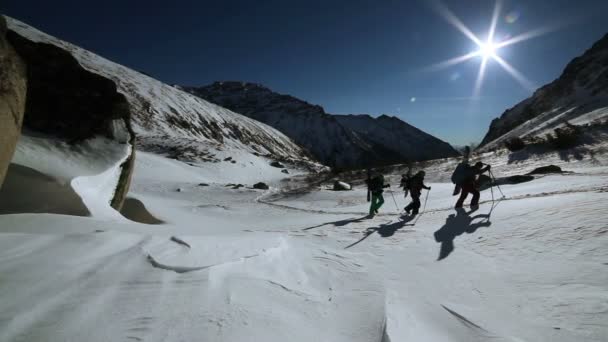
{"type": "Point", "coordinates": [262, 267]}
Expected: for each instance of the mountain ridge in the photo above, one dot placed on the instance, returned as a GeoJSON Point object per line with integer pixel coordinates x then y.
{"type": "Point", "coordinates": [581, 88]}
{"type": "Point", "coordinates": [332, 139]}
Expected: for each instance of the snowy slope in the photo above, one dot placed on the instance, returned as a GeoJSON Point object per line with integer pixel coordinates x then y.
{"type": "Point", "coordinates": [170, 121]}
{"type": "Point", "coordinates": [403, 139]}
{"type": "Point", "coordinates": [310, 268]}
{"type": "Point", "coordinates": [334, 140]}
{"type": "Point", "coordinates": [582, 89]}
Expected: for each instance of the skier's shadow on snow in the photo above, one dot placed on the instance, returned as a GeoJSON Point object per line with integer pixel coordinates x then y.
{"type": "Point", "coordinates": [385, 230]}
{"type": "Point", "coordinates": [455, 225]}
{"type": "Point", "coordinates": [340, 223]}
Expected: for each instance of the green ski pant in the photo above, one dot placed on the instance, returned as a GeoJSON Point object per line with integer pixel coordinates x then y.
{"type": "Point", "coordinates": [377, 201]}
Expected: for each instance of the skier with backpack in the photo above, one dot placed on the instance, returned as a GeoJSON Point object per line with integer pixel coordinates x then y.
{"type": "Point", "coordinates": [375, 188]}
{"type": "Point", "coordinates": [460, 169]}
{"type": "Point", "coordinates": [415, 185]}
{"type": "Point", "coordinates": [405, 179]}
{"type": "Point", "coordinates": [466, 177]}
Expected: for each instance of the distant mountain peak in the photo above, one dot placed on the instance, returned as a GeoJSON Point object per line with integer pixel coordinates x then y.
{"type": "Point", "coordinates": [350, 141]}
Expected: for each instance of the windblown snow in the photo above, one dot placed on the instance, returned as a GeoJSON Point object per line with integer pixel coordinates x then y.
{"type": "Point", "coordinates": [251, 265]}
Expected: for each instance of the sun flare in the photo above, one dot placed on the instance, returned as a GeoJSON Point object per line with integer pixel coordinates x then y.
{"type": "Point", "coordinates": [487, 50]}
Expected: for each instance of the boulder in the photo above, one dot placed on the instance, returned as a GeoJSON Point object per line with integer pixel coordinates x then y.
{"type": "Point", "coordinates": [71, 103]}
{"type": "Point", "coordinates": [485, 182]}
{"type": "Point", "coordinates": [277, 165]}
{"type": "Point", "coordinates": [285, 171]}
{"type": "Point", "coordinates": [342, 186]}
{"type": "Point", "coordinates": [543, 170]}
{"type": "Point", "coordinates": [261, 186]}
{"type": "Point", "coordinates": [13, 88]}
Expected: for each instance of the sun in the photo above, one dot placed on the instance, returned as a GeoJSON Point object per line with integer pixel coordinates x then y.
{"type": "Point", "coordinates": [487, 50]}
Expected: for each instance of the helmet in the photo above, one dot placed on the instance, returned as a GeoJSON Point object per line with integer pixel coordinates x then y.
{"type": "Point", "coordinates": [478, 164]}
{"type": "Point", "coordinates": [422, 173]}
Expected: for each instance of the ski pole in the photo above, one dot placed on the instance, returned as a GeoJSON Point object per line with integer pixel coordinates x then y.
{"type": "Point", "coordinates": [395, 201]}
{"type": "Point", "coordinates": [423, 208]}
{"type": "Point", "coordinates": [497, 186]}
{"type": "Point", "coordinates": [425, 200]}
{"type": "Point", "coordinates": [492, 190]}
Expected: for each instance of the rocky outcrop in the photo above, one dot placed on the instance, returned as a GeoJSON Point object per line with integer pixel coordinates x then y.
{"type": "Point", "coordinates": [581, 89]}
{"type": "Point", "coordinates": [69, 102]}
{"type": "Point", "coordinates": [12, 99]}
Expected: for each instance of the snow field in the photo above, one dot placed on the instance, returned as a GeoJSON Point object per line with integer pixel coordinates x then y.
{"type": "Point", "coordinates": [275, 271]}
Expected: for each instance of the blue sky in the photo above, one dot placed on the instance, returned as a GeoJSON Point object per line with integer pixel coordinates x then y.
{"type": "Point", "coordinates": [351, 57]}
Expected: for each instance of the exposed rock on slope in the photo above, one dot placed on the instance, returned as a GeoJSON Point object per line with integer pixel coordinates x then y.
{"type": "Point", "coordinates": [580, 95]}
{"type": "Point", "coordinates": [331, 139]}
{"type": "Point", "coordinates": [71, 103]}
{"type": "Point", "coordinates": [12, 99]}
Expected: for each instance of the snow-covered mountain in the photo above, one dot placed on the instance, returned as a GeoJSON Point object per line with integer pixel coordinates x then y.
{"type": "Point", "coordinates": [579, 96]}
{"type": "Point", "coordinates": [170, 121]}
{"type": "Point", "coordinates": [403, 139]}
{"type": "Point", "coordinates": [334, 140]}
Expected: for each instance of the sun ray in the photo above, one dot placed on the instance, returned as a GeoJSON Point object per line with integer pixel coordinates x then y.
{"type": "Point", "coordinates": [452, 61]}
{"type": "Point", "coordinates": [527, 36]}
{"type": "Point", "coordinates": [452, 19]}
{"type": "Point", "coordinates": [480, 75]}
{"type": "Point", "coordinates": [518, 76]}
{"type": "Point", "coordinates": [494, 23]}
{"type": "Point", "coordinates": [541, 31]}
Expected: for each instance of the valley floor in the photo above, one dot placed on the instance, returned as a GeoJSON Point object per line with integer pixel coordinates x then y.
{"type": "Point", "coordinates": [248, 265]}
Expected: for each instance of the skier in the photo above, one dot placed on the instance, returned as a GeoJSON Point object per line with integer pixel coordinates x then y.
{"type": "Point", "coordinates": [457, 176]}
{"type": "Point", "coordinates": [405, 179]}
{"type": "Point", "coordinates": [375, 187]}
{"type": "Point", "coordinates": [470, 184]}
{"type": "Point", "coordinates": [415, 186]}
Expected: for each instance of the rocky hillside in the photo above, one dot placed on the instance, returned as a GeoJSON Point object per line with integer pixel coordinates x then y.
{"type": "Point", "coordinates": [12, 99]}
{"type": "Point", "coordinates": [403, 139]}
{"type": "Point", "coordinates": [579, 95]}
{"type": "Point", "coordinates": [170, 121]}
{"type": "Point", "coordinates": [340, 141]}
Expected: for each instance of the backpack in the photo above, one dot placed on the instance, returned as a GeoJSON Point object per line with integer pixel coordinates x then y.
{"type": "Point", "coordinates": [376, 183]}
{"type": "Point", "coordinates": [460, 174]}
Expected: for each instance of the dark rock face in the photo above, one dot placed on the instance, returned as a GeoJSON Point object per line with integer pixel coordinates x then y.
{"type": "Point", "coordinates": [12, 99]}
{"type": "Point", "coordinates": [74, 104]}
{"type": "Point", "coordinates": [329, 138]}
{"type": "Point", "coordinates": [64, 99]}
{"type": "Point", "coordinates": [545, 170]}
{"type": "Point", "coordinates": [261, 186]}
{"type": "Point", "coordinates": [583, 84]}
{"type": "Point", "coordinates": [277, 164]}
{"type": "Point", "coordinates": [485, 182]}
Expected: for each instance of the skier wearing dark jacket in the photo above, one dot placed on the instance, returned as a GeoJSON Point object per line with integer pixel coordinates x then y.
{"type": "Point", "coordinates": [470, 184]}
{"type": "Point", "coordinates": [415, 185]}
{"type": "Point", "coordinates": [375, 187]}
